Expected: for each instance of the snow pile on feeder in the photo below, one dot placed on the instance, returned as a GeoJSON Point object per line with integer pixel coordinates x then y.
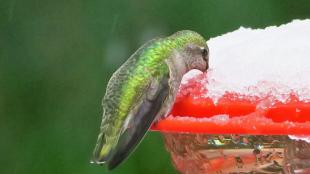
{"type": "Point", "coordinates": [262, 62]}
{"type": "Point", "coordinates": [260, 72]}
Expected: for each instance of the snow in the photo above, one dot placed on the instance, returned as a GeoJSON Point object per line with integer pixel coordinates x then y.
{"type": "Point", "coordinates": [217, 119]}
{"type": "Point", "coordinates": [274, 61]}
{"type": "Point", "coordinates": [305, 138]}
{"type": "Point", "coordinates": [190, 75]}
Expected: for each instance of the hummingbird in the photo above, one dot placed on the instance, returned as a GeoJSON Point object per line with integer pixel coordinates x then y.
{"type": "Point", "coordinates": [143, 90]}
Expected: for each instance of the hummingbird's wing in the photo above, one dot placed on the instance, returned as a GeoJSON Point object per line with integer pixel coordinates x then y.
{"type": "Point", "coordinates": [138, 124]}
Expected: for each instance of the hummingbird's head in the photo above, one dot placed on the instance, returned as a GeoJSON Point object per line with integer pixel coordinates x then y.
{"type": "Point", "coordinates": [194, 50]}
{"type": "Point", "coordinates": [196, 57]}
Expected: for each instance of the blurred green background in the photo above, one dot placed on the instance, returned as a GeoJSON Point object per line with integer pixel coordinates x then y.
{"type": "Point", "coordinates": [57, 56]}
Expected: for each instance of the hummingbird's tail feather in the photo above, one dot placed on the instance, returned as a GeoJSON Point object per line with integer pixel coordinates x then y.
{"type": "Point", "coordinates": [139, 125]}
{"type": "Point", "coordinates": [102, 151]}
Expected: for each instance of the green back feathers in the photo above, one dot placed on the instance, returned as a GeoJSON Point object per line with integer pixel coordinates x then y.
{"type": "Point", "coordinates": [151, 64]}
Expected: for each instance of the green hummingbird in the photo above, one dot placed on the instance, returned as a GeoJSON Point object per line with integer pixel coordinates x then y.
{"type": "Point", "coordinates": [143, 90]}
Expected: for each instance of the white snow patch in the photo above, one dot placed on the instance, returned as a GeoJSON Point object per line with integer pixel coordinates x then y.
{"type": "Point", "coordinates": [261, 62]}
{"type": "Point", "coordinates": [189, 75]}
{"type": "Point", "coordinates": [217, 119]}
{"type": "Point", "coordinates": [305, 138]}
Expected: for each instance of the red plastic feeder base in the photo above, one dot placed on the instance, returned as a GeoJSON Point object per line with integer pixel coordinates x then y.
{"type": "Point", "coordinates": [234, 114]}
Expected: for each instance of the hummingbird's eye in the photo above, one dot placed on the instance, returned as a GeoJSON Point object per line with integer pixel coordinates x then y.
{"type": "Point", "coordinates": [205, 53]}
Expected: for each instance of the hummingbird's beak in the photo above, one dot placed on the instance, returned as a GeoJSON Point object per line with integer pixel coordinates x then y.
{"type": "Point", "coordinates": [205, 56]}
{"type": "Point", "coordinates": [207, 64]}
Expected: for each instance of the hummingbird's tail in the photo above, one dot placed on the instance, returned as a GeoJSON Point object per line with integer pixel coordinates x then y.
{"type": "Point", "coordinates": [113, 155]}
{"type": "Point", "coordinates": [102, 151]}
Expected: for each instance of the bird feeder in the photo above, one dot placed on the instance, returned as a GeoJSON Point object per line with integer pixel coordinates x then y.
{"type": "Point", "coordinates": [260, 128]}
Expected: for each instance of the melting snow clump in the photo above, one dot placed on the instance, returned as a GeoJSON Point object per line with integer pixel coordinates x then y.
{"type": "Point", "coordinates": [274, 61]}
